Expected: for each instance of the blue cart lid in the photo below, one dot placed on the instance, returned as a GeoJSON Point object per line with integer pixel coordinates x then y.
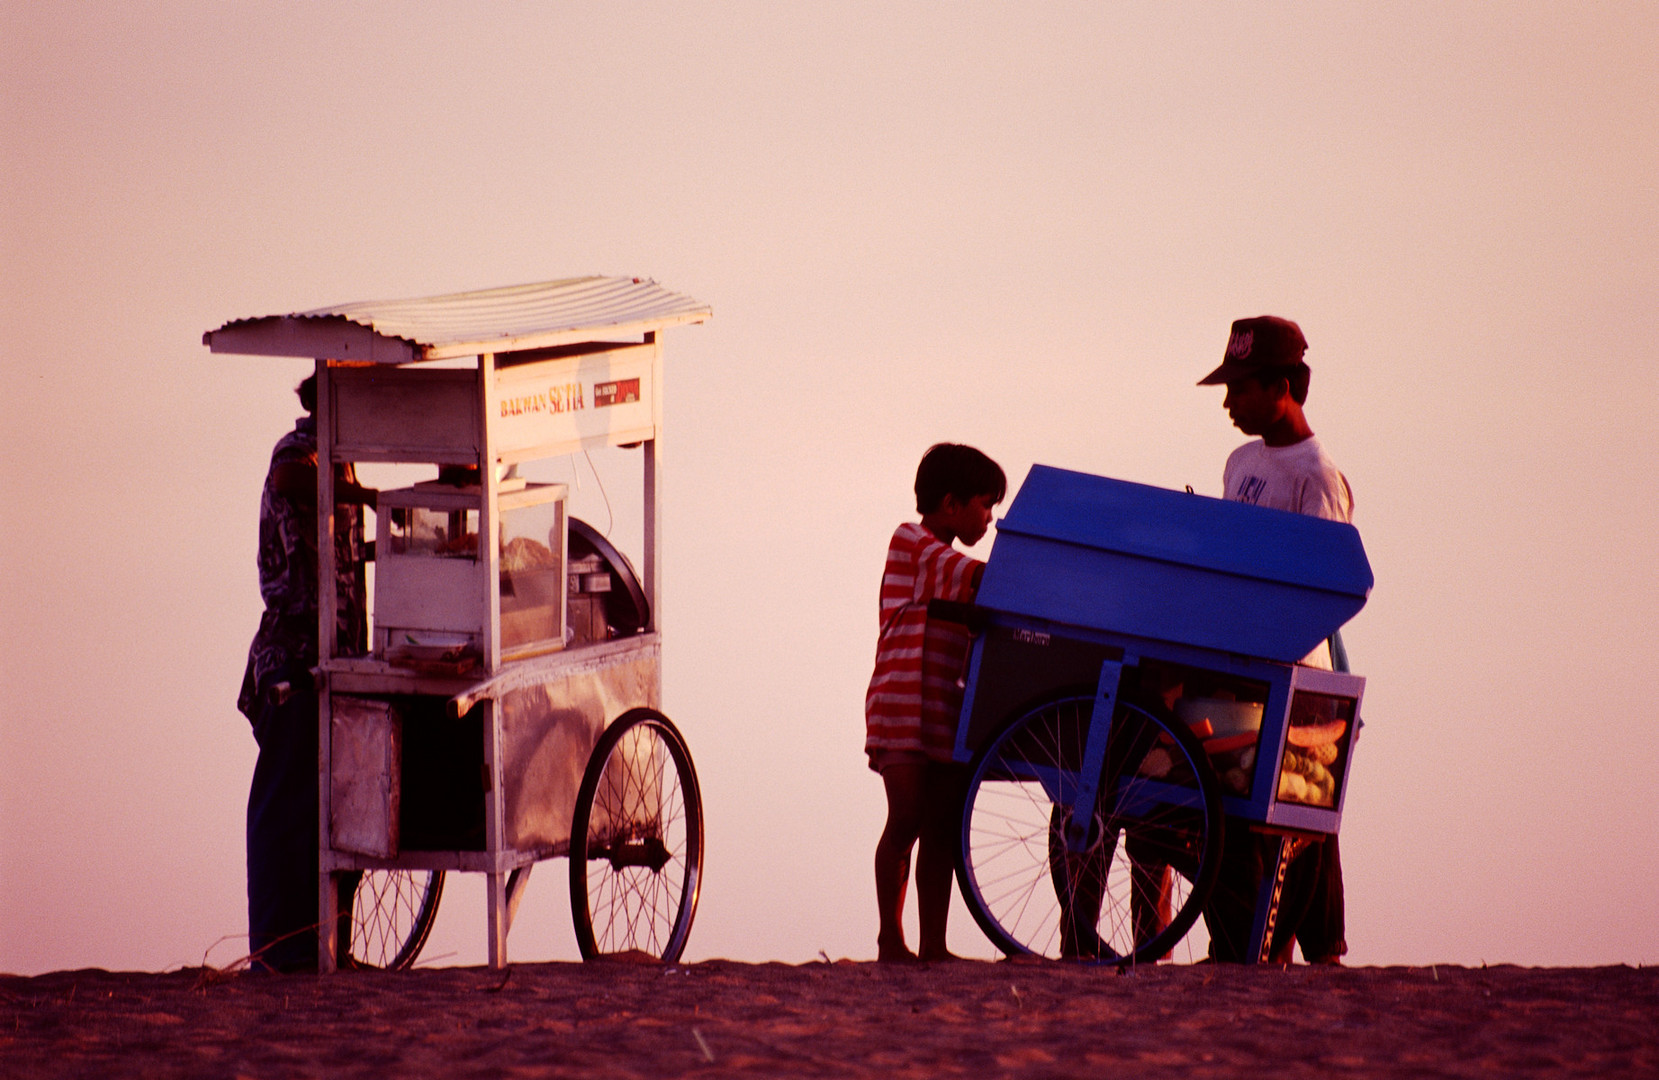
{"type": "Point", "coordinates": [1134, 559]}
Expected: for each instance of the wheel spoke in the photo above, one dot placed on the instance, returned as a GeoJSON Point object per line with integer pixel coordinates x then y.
{"type": "Point", "coordinates": [391, 914]}
{"type": "Point", "coordinates": [1027, 887]}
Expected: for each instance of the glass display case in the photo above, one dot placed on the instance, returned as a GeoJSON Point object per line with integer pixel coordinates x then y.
{"type": "Point", "coordinates": [433, 599]}
{"type": "Point", "coordinates": [1225, 713]}
{"type": "Point", "coordinates": [1230, 731]}
{"type": "Point", "coordinates": [1316, 749]}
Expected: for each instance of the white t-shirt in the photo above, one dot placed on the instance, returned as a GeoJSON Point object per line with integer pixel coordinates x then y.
{"type": "Point", "coordinates": [1300, 478]}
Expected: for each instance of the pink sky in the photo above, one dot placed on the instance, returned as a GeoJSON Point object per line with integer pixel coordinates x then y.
{"type": "Point", "coordinates": [1022, 228]}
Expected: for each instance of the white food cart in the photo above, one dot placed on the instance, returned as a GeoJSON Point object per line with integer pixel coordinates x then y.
{"type": "Point", "coordinates": [508, 710]}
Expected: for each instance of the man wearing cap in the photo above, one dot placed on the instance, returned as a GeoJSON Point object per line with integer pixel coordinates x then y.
{"type": "Point", "coordinates": [1267, 384]}
{"type": "Point", "coordinates": [1284, 468]}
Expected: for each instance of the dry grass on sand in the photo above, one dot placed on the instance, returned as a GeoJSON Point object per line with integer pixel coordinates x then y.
{"type": "Point", "coordinates": [844, 1019]}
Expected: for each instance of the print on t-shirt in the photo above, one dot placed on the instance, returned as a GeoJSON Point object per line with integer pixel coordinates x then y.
{"type": "Point", "coordinates": [1250, 489]}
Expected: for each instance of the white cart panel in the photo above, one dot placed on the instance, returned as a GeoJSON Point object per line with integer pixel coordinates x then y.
{"type": "Point", "coordinates": [549, 407]}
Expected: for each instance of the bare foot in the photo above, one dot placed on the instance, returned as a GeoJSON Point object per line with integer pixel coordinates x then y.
{"type": "Point", "coordinates": [894, 952]}
{"type": "Point", "coordinates": [938, 955]}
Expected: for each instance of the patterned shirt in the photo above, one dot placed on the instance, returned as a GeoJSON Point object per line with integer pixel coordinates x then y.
{"type": "Point", "coordinates": [285, 646]}
{"type": "Point", "coordinates": [915, 695]}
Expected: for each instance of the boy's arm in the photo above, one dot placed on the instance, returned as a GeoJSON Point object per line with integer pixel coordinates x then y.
{"type": "Point", "coordinates": [943, 573]}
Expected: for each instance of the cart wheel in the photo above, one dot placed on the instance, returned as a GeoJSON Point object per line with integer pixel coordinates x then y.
{"type": "Point", "coordinates": [636, 843]}
{"type": "Point", "coordinates": [391, 914]}
{"type": "Point", "coordinates": [1159, 805]}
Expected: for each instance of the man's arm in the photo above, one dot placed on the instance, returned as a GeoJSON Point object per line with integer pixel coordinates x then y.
{"type": "Point", "coordinates": [297, 481]}
{"type": "Point", "coordinates": [1327, 495]}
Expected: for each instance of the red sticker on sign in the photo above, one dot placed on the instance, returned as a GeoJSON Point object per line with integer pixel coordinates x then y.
{"type": "Point", "coordinates": [620, 392]}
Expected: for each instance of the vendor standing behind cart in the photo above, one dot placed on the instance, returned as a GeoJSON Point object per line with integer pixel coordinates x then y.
{"type": "Point", "coordinates": [1285, 468]}
{"type": "Point", "coordinates": [915, 697]}
{"type": "Point", "coordinates": [278, 696]}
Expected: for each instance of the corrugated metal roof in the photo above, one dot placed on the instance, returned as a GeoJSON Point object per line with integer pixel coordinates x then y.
{"type": "Point", "coordinates": [465, 324]}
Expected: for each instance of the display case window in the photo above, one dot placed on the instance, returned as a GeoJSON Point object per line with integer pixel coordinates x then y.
{"type": "Point", "coordinates": [532, 560]}
{"type": "Point", "coordinates": [434, 533]}
{"type": "Point", "coordinates": [1223, 712]}
{"type": "Point", "coordinates": [1316, 748]}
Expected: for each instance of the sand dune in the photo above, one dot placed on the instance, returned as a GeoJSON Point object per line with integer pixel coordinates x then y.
{"type": "Point", "coordinates": [720, 1018]}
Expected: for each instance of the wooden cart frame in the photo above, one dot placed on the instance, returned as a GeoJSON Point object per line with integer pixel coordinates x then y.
{"type": "Point", "coordinates": [534, 372]}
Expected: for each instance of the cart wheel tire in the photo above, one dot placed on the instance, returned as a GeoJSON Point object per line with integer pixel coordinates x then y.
{"type": "Point", "coordinates": [636, 842]}
{"type": "Point", "coordinates": [392, 912]}
{"type": "Point", "coordinates": [1030, 896]}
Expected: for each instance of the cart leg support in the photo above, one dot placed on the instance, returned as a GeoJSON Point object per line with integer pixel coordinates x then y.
{"type": "Point", "coordinates": [516, 881]}
{"type": "Point", "coordinates": [495, 838]}
{"type": "Point", "coordinates": [496, 900]}
{"type": "Point", "coordinates": [1094, 756]}
{"type": "Point", "coordinates": [1271, 891]}
{"type": "Point", "coordinates": [328, 934]}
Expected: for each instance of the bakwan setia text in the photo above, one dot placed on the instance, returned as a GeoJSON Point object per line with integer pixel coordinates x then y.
{"type": "Point", "coordinates": [555, 399]}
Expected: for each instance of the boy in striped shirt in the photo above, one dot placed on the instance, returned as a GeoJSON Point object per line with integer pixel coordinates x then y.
{"type": "Point", "coordinates": [915, 695]}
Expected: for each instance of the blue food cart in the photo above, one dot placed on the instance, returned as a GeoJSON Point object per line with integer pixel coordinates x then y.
{"type": "Point", "coordinates": [1134, 695]}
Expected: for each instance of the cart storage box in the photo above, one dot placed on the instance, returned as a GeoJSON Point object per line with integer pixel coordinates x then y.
{"type": "Point", "coordinates": [1173, 566]}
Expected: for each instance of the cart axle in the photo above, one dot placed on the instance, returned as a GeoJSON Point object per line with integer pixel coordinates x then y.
{"type": "Point", "coordinates": [646, 851]}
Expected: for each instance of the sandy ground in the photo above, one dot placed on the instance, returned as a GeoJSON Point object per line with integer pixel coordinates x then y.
{"type": "Point", "coordinates": [843, 1019]}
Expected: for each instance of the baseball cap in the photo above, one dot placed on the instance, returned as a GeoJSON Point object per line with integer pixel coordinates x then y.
{"type": "Point", "coordinates": [1258, 345]}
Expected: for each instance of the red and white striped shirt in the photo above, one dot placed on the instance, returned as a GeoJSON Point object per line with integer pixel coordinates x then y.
{"type": "Point", "coordinates": [915, 698]}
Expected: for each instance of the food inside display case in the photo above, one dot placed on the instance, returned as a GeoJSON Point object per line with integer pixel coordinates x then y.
{"type": "Point", "coordinates": [1229, 730]}
{"type": "Point", "coordinates": [1223, 712]}
{"type": "Point", "coordinates": [432, 533]}
{"type": "Point", "coordinates": [1316, 745]}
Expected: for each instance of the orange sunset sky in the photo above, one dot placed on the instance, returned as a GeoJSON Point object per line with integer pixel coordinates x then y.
{"type": "Point", "coordinates": [1021, 226]}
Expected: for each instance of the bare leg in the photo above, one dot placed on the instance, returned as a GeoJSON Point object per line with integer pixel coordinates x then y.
{"type": "Point", "coordinates": [1080, 881]}
{"type": "Point", "coordinates": [945, 787]}
{"type": "Point", "coordinates": [1321, 933]}
{"type": "Point", "coordinates": [904, 785]}
{"type": "Point", "coordinates": [1149, 899]}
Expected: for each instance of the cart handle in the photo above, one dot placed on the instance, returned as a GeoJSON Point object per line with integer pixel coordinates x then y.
{"type": "Point", "coordinates": [972, 616]}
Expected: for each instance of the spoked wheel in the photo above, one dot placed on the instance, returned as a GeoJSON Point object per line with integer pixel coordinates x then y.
{"type": "Point", "coordinates": [391, 914]}
{"type": "Point", "coordinates": [636, 843]}
{"type": "Point", "coordinates": [1134, 878]}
